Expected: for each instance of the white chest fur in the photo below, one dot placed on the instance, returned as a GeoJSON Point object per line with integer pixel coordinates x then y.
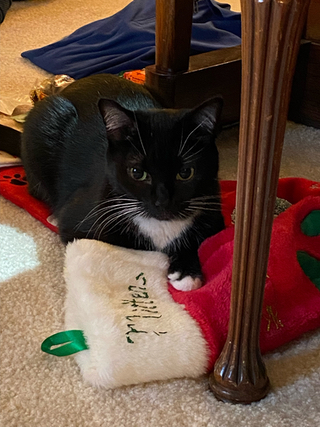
{"type": "Point", "coordinates": [162, 232]}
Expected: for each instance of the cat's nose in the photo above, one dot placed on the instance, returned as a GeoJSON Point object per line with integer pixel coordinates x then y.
{"type": "Point", "coordinates": [162, 196]}
{"type": "Point", "coordinates": [161, 203]}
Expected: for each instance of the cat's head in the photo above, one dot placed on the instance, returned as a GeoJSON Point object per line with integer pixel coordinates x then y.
{"type": "Point", "coordinates": [166, 159]}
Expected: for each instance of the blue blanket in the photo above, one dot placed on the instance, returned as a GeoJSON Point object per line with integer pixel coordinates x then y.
{"type": "Point", "coordinates": [126, 40]}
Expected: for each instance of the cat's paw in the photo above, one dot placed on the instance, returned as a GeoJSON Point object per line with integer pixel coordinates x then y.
{"type": "Point", "coordinates": [186, 283]}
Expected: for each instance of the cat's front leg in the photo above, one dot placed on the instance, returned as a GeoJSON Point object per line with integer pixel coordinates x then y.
{"type": "Point", "coordinates": [185, 271]}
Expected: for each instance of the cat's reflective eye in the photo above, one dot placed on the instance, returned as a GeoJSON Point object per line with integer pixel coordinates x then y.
{"type": "Point", "coordinates": [138, 174]}
{"type": "Point", "coordinates": [185, 174]}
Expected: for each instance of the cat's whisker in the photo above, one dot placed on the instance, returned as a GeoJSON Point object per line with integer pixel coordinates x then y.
{"type": "Point", "coordinates": [127, 226]}
{"type": "Point", "coordinates": [136, 148]}
{"type": "Point", "coordinates": [187, 138]}
{"type": "Point", "coordinates": [138, 130]}
{"type": "Point", "coordinates": [191, 156]}
{"type": "Point", "coordinates": [191, 148]}
{"type": "Point", "coordinates": [181, 148]}
{"type": "Point", "coordinates": [93, 213]}
{"type": "Point", "coordinates": [111, 209]}
{"type": "Point", "coordinates": [117, 198]}
{"type": "Point", "coordinates": [203, 203]}
{"type": "Point", "coordinates": [184, 215]}
{"type": "Point", "coordinates": [199, 203]}
{"type": "Point", "coordinates": [210, 196]}
{"type": "Point", "coordinates": [108, 225]}
{"type": "Point", "coordinates": [130, 219]}
{"type": "Point", "coordinates": [181, 139]}
{"type": "Point", "coordinates": [97, 210]}
{"type": "Point", "coordinates": [202, 208]}
{"type": "Point", "coordinates": [105, 225]}
{"type": "Point", "coordinates": [105, 211]}
{"type": "Point", "coordinates": [114, 212]}
{"type": "Point", "coordinates": [80, 223]}
{"type": "Point", "coordinates": [116, 219]}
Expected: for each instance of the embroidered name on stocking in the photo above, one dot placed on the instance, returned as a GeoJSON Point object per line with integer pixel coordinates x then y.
{"type": "Point", "coordinates": [142, 309]}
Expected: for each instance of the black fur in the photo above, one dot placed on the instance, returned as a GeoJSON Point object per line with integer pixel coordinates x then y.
{"type": "Point", "coordinates": [85, 150]}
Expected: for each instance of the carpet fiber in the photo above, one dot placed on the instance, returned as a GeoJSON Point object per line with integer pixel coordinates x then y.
{"type": "Point", "coordinates": [39, 390]}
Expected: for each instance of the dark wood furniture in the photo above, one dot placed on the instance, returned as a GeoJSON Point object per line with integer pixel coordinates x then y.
{"type": "Point", "coordinates": [271, 34]}
{"type": "Point", "coordinates": [305, 96]}
{"type": "Point", "coordinates": [176, 80]}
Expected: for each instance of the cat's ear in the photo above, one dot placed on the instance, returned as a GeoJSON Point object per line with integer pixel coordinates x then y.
{"type": "Point", "coordinates": [208, 114]}
{"type": "Point", "coordinates": [117, 119]}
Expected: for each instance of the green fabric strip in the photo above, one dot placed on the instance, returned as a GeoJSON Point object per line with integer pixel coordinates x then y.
{"type": "Point", "coordinates": [310, 226]}
{"type": "Point", "coordinates": [310, 266]}
{"type": "Point", "coordinates": [67, 342]}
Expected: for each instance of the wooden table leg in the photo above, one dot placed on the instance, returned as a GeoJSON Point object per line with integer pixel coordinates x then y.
{"type": "Point", "coordinates": [271, 32]}
{"type": "Point", "coordinates": [173, 35]}
{"type": "Point", "coordinates": [173, 38]}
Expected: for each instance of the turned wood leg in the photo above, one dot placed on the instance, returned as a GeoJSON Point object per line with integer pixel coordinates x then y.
{"type": "Point", "coordinates": [271, 31]}
{"type": "Point", "coordinates": [173, 36]}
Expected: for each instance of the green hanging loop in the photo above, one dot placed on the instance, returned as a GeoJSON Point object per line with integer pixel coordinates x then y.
{"type": "Point", "coordinates": [68, 342]}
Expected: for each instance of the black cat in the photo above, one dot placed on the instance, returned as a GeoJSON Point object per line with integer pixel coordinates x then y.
{"type": "Point", "coordinates": [116, 167]}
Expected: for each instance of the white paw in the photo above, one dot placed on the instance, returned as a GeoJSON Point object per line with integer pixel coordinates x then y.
{"type": "Point", "coordinates": [188, 283]}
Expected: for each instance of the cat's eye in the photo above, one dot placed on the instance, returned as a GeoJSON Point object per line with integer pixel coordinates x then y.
{"type": "Point", "coordinates": [185, 174]}
{"type": "Point", "coordinates": [138, 174]}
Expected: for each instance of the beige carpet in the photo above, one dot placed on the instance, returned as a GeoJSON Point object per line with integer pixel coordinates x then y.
{"type": "Point", "coordinates": [38, 390]}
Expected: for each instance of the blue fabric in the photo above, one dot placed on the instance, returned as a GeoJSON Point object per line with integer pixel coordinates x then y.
{"type": "Point", "coordinates": [126, 40]}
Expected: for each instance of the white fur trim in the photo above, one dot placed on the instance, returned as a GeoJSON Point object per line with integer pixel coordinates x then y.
{"type": "Point", "coordinates": [162, 232]}
{"type": "Point", "coordinates": [166, 341]}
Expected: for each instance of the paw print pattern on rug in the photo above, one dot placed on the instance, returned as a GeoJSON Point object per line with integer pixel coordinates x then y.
{"type": "Point", "coordinates": [16, 179]}
{"type": "Point", "coordinates": [14, 187]}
